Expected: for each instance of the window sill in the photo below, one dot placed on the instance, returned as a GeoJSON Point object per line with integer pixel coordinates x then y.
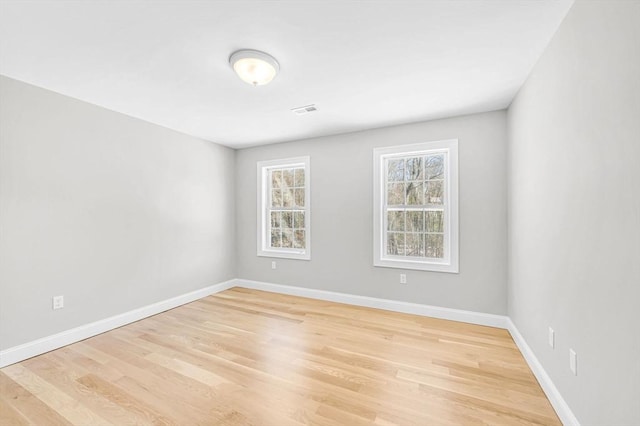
{"type": "Point", "coordinates": [417, 266]}
{"type": "Point", "coordinates": [285, 254]}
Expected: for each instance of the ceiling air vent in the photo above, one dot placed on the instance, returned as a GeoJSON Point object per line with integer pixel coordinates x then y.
{"type": "Point", "coordinates": [305, 109]}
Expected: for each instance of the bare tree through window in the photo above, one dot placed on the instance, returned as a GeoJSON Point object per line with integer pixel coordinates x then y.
{"type": "Point", "coordinates": [415, 206]}
{"type": "Point", "coordinates": [287, 207]}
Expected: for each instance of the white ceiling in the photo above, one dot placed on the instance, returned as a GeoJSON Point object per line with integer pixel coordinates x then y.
{"type": "Point", "coordinates": [364, 64]}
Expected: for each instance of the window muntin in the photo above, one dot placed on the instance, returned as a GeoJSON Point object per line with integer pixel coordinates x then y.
{"type": "Point", "coordinates": [415, 202]}
{"type": "Point", "coordinates": [283, 222]}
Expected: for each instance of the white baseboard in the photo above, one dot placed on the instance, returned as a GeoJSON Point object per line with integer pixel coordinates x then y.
{"type": "Point", "coordinates": [557, 401]}
{"type": "Point", "coordinates": [479, 318]}
{"type": "Point", "coordinates": [55, 341]}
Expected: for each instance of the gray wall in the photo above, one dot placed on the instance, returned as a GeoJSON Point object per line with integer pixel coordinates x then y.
{"type": "Point", "coordinates": [342, 230]}
{"type": "Point", "coordinates": [110, 211]}
{"type": "Point", "coordinates": [574, 210]}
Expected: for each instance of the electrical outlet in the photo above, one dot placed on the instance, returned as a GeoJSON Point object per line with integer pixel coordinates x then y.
{"type": "Point", "coordinates": [58, 302]}
{"type": "Point", "coordinates": [403, 278]}
{"type": "Point", "coordinates": [573, 362]}
{"type": "Point", "coordinates": [273, 265]}
{"type": "Point", "coordinates": [552, 338]}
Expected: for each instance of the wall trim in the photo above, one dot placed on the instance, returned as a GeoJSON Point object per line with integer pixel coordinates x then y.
{"type": "Point", "coordinates": [55, 341]}
{"type": "Point", "coordinates": [553, 394]}
{"type": "Point", "coordinates": [478, 318]}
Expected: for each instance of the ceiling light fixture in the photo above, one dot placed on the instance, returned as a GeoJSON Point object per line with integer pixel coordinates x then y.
{"type": "Point", "coordinates": [254, 67]}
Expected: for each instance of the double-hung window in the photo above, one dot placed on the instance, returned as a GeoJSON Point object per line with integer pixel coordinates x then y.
{"type": "Point", "coordinates": [416, 206]}
{"type": "Point", "coordinates": [283, 208]}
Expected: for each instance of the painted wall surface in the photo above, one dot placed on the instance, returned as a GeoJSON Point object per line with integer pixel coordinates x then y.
{"type": "Point", "coordinates": [341, 219]}
{"type": "Point", "coordinates": [574, 210]}
{"type": "Point", "coordinates": [112, 212]}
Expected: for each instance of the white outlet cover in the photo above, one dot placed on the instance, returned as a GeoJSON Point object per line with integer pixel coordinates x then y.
{"type": "Point", "coordinates": [552, 338]}
{"type": "Point", "coordinates": [273, 265]}
{"type": "Point", "coordinates": [573, 362]}
{"type": "Point", "coordinates": [403, 278]}
{"type": "Point", "coordinates": [58, 302]}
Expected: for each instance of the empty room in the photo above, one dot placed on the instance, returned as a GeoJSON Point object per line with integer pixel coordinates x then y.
{"type": "Point", "coordinates": [338, 212]}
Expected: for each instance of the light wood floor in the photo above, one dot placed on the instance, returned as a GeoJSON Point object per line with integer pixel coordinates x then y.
{"type": "Point", "coordinates": [246, 357]}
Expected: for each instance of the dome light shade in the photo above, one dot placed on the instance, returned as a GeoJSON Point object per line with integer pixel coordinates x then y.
{"type": "Point", "coordinates": [254, 67]}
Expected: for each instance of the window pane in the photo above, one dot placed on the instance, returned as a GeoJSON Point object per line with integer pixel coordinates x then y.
{"type": "Point", "coordinates": [299, 197]}
{"type": "Point", "coordinates": [396, 170]}
{"type": "Point", "coordinates": [414, 169]}
{"type": "Point", "coordinates": [287, 220]}
{"type": "Point", "coordinates": [434, 192]}
{"type": "Point", "coordinates": [435, 221]}
{"type": "Point", "coordinates": [275, 219]}
{"type": "Point", "coordinates": [415, 193]}
{"type": "Point", "coordinates": [435, 166]}
{"type": "Point", "coordinates": [415, 221]}
{"type": "Point", "coordinates": [275, 238]}
{"type": "Point", "coordinates": [276, 179]}
{"type": "Point", "coordinates": [287, 238]}
{"type": "Point", "coordinates": [435, 245]}
{"type": "Point", "coordinates": [287, 197]}
{"type": "Point", "coordinates": [276, 198]}
{"type": "Point", "coordinates": [298, 219]}
{"type": "Point", "coordinates": [414, 245]}
{"type": "Point", "coordinates": [288, 177]}
{"type": "Point", "coordinates": [299, 242]}
{"type": "Point", "coordinates": [395, 243]}
{"type": "Point", "coordinates": [395, 194]}
{"type": "Point", "coordinates": [395, 221]}
{"type": "Point", "coordinates": [299, 177]}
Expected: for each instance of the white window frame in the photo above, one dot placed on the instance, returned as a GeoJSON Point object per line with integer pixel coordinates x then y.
{"type": "Point", "coordinates": [451, 235]}
{"type": "Point", "coordinates": [264, 202]}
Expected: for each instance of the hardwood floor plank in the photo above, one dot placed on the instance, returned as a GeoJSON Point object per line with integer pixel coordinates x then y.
{"type": "Point", "coordinates": [63, 404]}
{"type": "Point", "coordinates": [120, 397]}
{"type": "Point", "coordinates": [27, 405]}
{"type": "Point", "coordinates": [10, 416]}
{"type": "Point", "coordinates": [66, 377]}
{"type": "Point", "coordinates": [247, 357]}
